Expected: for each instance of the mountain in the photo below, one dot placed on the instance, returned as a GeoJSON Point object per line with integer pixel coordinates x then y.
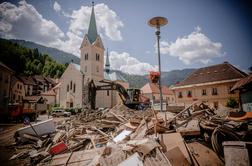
{"type": "Point", "coordinates": [135, 81]}
{"type": "Point", "coordinates": [58, 55]}
{"type": "Point", "coordinates": [168, 78]}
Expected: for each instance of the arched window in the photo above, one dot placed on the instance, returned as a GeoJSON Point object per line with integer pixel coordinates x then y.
{"type": "Point", "coordinates": [71, 85]}
{"type": "Point", "coordinates": [67, 88]}
{"type": "Point", "coordinates": [74, 88]}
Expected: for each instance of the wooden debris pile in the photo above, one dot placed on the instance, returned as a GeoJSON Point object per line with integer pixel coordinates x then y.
{"type": "Point", "coordinates": [121, 136]}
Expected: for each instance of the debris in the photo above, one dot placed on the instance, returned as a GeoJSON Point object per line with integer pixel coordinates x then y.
{"type": "Point", "coordinates": [122, 136]}
{"type": "Point", "coordinates": [237, 153]}
{"type": "Point", "coordinates": [42, 128]}
{"type": "Point", "coordinates": [202, 155]}
{"type": "Point", "coordinates": [132, 160]}
{"type": "Point", "coordinates": [58, 148]}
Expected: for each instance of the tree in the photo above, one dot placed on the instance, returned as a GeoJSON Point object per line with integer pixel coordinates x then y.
{"type": "Point", "coordinates": [232, 103]}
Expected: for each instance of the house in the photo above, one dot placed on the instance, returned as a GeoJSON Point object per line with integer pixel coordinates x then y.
{"type": "Point", "coordinates": [29, 85]}
{"type": "Point", "coordinates": [151, 90]}
{"type": "Point", "coordinates": [72, 92]}
{"type": "Point", "coordinates": [5, 87]}
{"type": "Point", "coordinates": [244, 86]}
{"type": "Point", "coordinates": [43, 84]}
{"type": "Point", "coordinates": [17, 92]}
{"type": "Point", "coordinates": [49, 97]}
{"type": "Point", "coordinates": [210, 84]}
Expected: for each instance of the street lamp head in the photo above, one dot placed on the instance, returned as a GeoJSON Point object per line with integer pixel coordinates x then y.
{"type": "Point", "coordinates": [157, 22]}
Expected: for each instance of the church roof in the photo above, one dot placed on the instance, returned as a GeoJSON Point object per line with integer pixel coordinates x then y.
{"type": "Point", "coordinates": [92, 29]}
{"type": "Point", "coordinates": [76, 66]}
{"type": "Point", "coordinates": [113, 76]}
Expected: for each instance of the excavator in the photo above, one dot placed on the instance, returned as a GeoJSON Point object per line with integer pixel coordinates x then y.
{"type": "Point", "coordinates": [132, 98]}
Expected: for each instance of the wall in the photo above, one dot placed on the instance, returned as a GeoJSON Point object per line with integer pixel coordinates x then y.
{"type": "Point", "coordinates": [221, 98]}
{"type": "Point", "coordinates": [71, 74]}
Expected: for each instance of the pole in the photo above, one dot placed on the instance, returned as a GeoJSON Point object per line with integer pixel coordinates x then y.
{"type": "Point", "coordinates": [159, 68]}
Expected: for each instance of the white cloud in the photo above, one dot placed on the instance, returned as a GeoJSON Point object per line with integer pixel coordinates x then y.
{"type": "Point", "coordinates": [128, 64]}
{"type": "Point", "coordinates": [196, 47]}
{"type": "Point", "coordinates": [56, 6]}
{"type": "Point", "coordinates": [108, 23]}
{"type": "Point", "coordinates": [24, 22]}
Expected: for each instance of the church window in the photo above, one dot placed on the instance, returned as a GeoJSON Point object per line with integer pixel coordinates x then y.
{"type": "Point", "coordinates": [86, 56]}
{"type": "Point", "coordinates": [71, 85]}
{"type": "Point", "coordinates": [107, 92]}
{"type": "Point", "coordinates": [67, 88]}
{"type": "Point", "coordinates": [97, 57]}
{"type": "Point", "coordinates": [74, 88]}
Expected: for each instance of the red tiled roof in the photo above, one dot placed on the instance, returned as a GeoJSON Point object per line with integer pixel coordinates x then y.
{"type": "Point", "coordinates": [220, 72]}
{"type": "Point", "coordinates": [243, 82]}
{"type": "Point", "coordinates": [153, 88]}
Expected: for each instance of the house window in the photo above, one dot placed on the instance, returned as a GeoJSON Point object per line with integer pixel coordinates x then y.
{"type": "Point", "coordinates": [97, 57]}
{"type": "Point", "coordinates": [203, 92]}
{"type": "Point", "coordinates": [216, 104]}
{"type": "Point", "coordinates": [107, 92]}
{"type": "Point", "coordinates": [214, 91]}
{"type": "Point", "coordinates": [180, 95]}
{"type": "Point", "coordinates": [67, 88]}
{"type": "Point", "coordinates": [189, 93]}
{"type": "Point", "coordinates": [74, 88]}
{"type": "Point", "coordinates": [71, 85]}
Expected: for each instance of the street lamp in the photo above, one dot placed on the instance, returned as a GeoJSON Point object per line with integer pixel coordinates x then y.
{"type": "Point", "coordinates": [157, 22]}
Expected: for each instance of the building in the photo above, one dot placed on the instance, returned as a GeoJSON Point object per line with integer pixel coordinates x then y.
{"type": "Point", "coordinates": [73, 81]}
{"type": "Point", "coordinates": [210, 84]}
{"type": "Point", "coordinates": [244, 86]}
{"type": "Point", "coordinates": [5, 86]}
{"type": "Point", "coordinates": [17, 92]}
{"type": "Point", "coordinates": [151, 90]}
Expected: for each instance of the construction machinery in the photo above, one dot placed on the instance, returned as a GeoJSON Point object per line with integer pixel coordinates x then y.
{"type": "Point", "coordinates": [132, 98]}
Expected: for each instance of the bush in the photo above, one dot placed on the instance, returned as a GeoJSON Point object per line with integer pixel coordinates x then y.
{"type": "Point", "coordinates": [232, 103]}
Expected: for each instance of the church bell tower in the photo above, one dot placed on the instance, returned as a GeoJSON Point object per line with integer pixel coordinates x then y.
{"type": "Point", "coordinates": [92, 52]}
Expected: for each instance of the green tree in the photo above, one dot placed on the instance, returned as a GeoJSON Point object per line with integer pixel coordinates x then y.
{"type": "Point", "coordinates": [232, 103]}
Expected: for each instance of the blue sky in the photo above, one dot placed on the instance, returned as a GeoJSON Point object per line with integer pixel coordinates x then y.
{"type": "Point", "coordinates": [199, 32]}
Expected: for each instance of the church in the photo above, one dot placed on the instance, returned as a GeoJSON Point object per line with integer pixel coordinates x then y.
{"type": "Point", "coordinates": [71, 91]}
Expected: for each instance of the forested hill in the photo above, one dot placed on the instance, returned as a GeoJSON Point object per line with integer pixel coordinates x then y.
{"type": "Point", "coordinates": [57, 55]}
{"type": "Point", "coordinates": [29, 61]}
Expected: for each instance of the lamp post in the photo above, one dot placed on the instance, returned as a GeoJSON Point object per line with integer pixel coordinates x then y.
{"type": "Point", "coordinates": [157, 22]}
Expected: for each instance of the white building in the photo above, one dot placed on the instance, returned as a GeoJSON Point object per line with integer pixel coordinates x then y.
{"type": "Point", "coordinates": [75, 77]}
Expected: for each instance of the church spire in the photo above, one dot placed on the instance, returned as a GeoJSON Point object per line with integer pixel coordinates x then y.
{"type": "Point", "coordinates": [107, 64]}
{"type": "Point", "coordinates": [92, 30]}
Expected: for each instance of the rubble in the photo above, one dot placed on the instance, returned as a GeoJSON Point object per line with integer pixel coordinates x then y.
{"type": "Point", "coordinates": [122, 136]}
